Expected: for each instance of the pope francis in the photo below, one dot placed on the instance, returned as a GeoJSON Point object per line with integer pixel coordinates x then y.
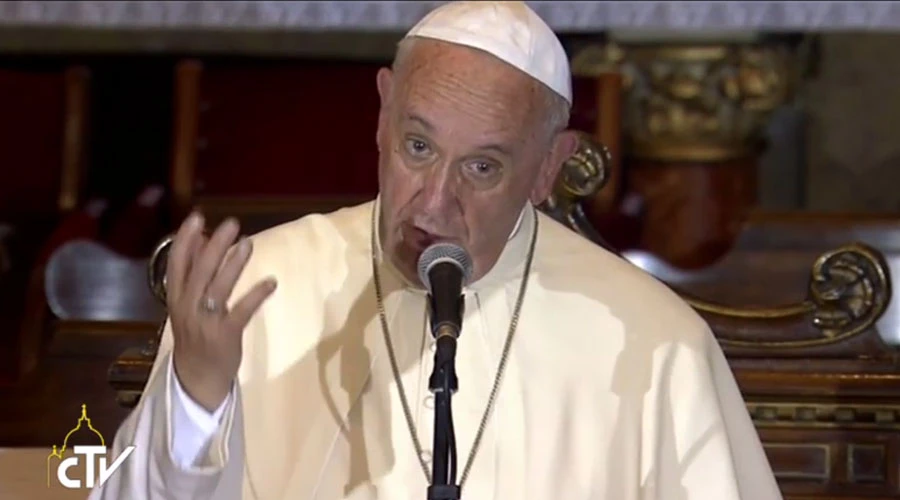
{"type": "Point", "coordinates": [580, 377]}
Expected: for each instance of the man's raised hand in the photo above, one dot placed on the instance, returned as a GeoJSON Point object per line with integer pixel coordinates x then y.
{"type": "Point", "coordinates": [200, 277]}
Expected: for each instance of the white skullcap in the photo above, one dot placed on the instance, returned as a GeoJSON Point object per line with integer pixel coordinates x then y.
{"type": "Point", "coordinates": [510, 31]}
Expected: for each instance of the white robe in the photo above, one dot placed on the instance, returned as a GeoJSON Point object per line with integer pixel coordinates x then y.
{"type": "Point", "coordinates": [615, 389]}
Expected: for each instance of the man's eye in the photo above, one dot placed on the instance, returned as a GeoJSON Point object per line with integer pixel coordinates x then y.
{"type": "Point", "coordinates": [417, 147]}
{"type": "Point", "coordinates": [481, 168]}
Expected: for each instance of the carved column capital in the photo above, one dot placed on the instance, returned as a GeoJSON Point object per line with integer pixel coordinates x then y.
{"type": "Point", "coordinates": [706, 102]}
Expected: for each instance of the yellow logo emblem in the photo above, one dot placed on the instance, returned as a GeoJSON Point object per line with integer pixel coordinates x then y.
{"type": "Point", "coordinates": [89, 452]}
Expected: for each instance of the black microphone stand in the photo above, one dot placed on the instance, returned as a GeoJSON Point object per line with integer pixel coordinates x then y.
{"type": "Point", "coordinates": [443, 384]}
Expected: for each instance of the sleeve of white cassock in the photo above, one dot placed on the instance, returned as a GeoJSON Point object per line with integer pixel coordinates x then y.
{"type": "Point", "coordinates": [201, 465]}
{"type": "Point", "coordinates": [706, 445]}
{"type": "Point", "coordinates": [193, 428]}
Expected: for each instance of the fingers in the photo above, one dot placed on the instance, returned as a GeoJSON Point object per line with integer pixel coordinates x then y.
{"type": "Point", "coordinates": [225, 279]}
{"type": "Point", "coordinates": [208, 261]}
{"type": "Point", "coordinates": [180, 255]}
{"type": "Point", "coordinates": [245, 308]}
{"type": "Point", "coordinates": [196, 268]}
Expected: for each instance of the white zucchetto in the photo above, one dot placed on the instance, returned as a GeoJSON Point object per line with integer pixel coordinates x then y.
{"type": "Point", "coordinates": [510, 31]}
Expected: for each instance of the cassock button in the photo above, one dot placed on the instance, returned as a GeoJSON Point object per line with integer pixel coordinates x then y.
{"type": "Point", "coordinates": [429, 401]}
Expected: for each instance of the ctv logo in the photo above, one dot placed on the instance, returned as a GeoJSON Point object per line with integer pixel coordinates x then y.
{"type": "Point", "coordinates": [66, 469]}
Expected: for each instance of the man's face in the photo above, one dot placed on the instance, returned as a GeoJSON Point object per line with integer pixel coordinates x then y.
{"type": "Point", "coordinates": [463, 148]}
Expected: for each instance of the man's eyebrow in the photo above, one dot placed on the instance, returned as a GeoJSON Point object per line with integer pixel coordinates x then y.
{"type": "Point", "coordinates": [497, 148]}
{"type": "Point", "coordinates": [421, 121]}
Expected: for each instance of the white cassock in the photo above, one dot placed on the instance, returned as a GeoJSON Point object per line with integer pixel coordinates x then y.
{"type": "Point", "coordinates": [614, 389]}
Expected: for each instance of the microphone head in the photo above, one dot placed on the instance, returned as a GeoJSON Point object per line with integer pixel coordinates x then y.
{"type": "Point", "coordinates": [444, 252]}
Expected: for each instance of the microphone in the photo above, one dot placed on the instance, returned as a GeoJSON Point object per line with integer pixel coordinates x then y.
{"type": "Point", "coordinates": [444, 269]}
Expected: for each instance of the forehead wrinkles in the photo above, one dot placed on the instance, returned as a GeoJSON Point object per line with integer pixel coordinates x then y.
{"type": "Point", "coordinates": [487, 92]}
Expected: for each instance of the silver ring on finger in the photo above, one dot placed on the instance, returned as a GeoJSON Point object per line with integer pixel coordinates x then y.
{"type": "Point", "coordinates": [209, 305]}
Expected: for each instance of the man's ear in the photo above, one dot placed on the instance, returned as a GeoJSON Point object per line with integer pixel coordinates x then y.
{"type": "Point", "coordinates": [385, 83]}
{"type": "Point", "coordinates": [564, 146]}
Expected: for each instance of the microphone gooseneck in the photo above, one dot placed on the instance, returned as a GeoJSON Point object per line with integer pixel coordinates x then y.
{"type": "Point", "coordinates": [444, 269]}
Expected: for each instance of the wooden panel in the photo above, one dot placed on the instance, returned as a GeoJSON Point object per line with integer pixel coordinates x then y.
{"type": "Point", "coordinates": [287, 129]}
{"type": "Point", "coordinates": [31, 139]}
{"type": "Point", "coordinates": [867, 463]}
{"type": "Point", "coordinates": [41, 410]}
{"type": "Point", "coordinates": [834, 463]}
{"type": "Point", "coordinates": [258, 214]}
{"type": "Point", "coordinates": [800, 462]}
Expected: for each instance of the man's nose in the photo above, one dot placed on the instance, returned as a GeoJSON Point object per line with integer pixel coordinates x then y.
{"type": "Point", "coordinates": [440, 188]}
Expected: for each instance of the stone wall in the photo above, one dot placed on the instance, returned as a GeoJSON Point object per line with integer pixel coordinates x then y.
{"type": "Point", "coordinates": [852, 104]}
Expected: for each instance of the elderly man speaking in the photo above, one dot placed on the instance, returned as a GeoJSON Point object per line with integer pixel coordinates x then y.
{"type": "Point", "coordinates": [580, 377]}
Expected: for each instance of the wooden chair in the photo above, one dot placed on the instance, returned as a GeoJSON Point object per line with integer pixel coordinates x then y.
{"type": "Point", "coordinates": [98, 306]}
{"type": "Point", "coordinates": [94, 305]}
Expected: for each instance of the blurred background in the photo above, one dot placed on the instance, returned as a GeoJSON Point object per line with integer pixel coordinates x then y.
{"type": "Point", "coordinates": [746, 139]}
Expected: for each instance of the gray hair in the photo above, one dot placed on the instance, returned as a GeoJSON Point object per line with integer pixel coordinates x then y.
{"type": "Point", "coordinates": [556, 108]}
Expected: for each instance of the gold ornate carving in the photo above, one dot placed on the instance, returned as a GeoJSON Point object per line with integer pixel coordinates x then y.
{"type": "Point", "coordinates": [581, 176]}
{"type": "Point", "coordinates": [849, 287]}
{"type": "Point", "coordinates": [697, 102]}
{"type": "Point", "coordinates": [849, 290]}
{"type": "Point", "coordinates": [586, 171]}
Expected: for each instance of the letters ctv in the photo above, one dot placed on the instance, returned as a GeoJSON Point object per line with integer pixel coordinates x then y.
{"type": "Point", "coordinates": [79, 466]}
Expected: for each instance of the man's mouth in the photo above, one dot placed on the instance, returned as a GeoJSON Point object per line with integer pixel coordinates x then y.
{"type": "Point", "coordinates": [420, 239]}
